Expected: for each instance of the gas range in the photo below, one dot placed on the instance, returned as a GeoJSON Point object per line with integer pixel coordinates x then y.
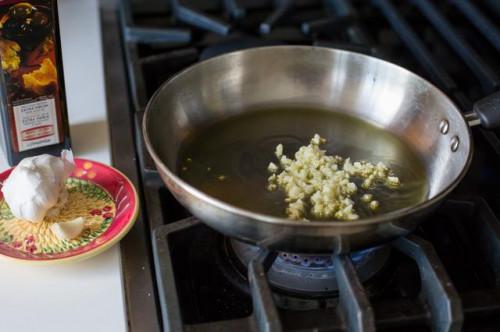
{"type": "Point", "coordinates": [180, 275]}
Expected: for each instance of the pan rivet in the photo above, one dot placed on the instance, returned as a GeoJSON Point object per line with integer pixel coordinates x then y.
{"type": "Point", "coordinates": [444, 126]}
{"type": "Point", "coordinates": [455, 142]}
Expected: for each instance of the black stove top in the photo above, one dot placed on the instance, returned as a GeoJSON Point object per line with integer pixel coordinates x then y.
{"type": "Point", "coordinates": [181, 275]}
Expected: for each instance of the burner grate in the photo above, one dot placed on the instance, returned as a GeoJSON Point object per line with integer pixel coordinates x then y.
{"type": "Point", "coordinates": [444, 306]}
{"type": "Point", "coordinates": [308, 275]}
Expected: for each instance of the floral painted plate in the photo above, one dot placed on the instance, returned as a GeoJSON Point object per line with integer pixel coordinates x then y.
{"type": "Point", "coordinates": [99, 193]}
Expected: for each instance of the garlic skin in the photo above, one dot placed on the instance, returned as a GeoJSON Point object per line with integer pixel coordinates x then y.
{"type": "Point", "coordinates": [36, 184]}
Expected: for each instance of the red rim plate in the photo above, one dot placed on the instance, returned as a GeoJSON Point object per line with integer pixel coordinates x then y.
{"type": "Point", "coordinates": [126, 200]}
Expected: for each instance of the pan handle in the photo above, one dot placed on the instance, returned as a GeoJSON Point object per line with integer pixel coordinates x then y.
{"type": "Point", "coordinates": [486, 112]}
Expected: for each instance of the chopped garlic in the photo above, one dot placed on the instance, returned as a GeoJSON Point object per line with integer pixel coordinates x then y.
{"type": "Point", "coordinates": [368, 171]}
{"type": "Point", "coordinates": [317, 140]}
{"type": "Point", "coordinates": [367, 198]}
{"type": "Point", "coordinates": [284, 161]}
{"type": "Point", "coordinates": [367, 183]}
{"type": "Point", "coordinates": [279, 151]}
{"type": "Point", "coordinates": [272, 186]}
{"type": "Point", "coordinates": [393, 180]}
{"type": "Point", "coordinates": [374, 205]}
{"type": "Point", "coordinates": [322, 183]}
{"type": "Point", "coordinates": [313, 178]}
{"type": "Point", "coordinates": [272, 167]}
{"type": "Point", "coordinates": [295, 210]}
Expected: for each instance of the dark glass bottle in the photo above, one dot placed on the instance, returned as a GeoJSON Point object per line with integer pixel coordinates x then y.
{"type": "Point", "coordinates": [32, 95]}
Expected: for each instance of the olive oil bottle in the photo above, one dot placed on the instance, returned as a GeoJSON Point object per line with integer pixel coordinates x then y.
{"type": "Point", "coordinates": [32, 97]}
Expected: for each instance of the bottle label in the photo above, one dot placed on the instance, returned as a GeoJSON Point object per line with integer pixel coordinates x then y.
{"type": "Point", "coordinates": [36, 124]}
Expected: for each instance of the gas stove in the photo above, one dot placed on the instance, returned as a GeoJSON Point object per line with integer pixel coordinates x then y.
{"type": "Point", "coordinates": [180, 275]}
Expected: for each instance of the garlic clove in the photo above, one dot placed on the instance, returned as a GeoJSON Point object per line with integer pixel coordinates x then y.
{"type": "Point", "coordinates": [69, 229]}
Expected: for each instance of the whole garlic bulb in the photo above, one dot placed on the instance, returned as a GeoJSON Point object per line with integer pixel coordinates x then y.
{"type": "Point", "coordinates": [35, 185]}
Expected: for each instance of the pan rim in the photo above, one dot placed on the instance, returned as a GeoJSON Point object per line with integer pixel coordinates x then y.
{"type": "Point", "coordinates": [261, 217]}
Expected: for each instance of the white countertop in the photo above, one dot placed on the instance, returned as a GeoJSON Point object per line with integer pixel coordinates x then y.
{"type": "Point", "coordinates": [83, 296]}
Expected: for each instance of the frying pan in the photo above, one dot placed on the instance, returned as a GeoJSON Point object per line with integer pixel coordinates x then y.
{"type": "Point", "coordinates": [368, 88]}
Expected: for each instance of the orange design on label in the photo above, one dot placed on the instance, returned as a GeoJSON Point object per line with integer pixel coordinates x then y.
{"type": "Point", "coordinates": [38, 79]}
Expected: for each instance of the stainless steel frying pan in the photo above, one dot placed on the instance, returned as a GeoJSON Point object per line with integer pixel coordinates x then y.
{"type": "Point", "coordinates": [374, 90]}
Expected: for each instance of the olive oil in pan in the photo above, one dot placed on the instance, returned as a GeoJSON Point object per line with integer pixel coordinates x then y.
{"type": "Point", "coordinates": [229, 159]}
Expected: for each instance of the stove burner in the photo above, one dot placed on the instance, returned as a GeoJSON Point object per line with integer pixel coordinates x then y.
{"type": "Point", "coordinates": [311, 274]}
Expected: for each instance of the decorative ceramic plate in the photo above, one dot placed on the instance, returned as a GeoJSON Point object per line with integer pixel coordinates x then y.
{"type": "Point", "coordinates": [99, 193]}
